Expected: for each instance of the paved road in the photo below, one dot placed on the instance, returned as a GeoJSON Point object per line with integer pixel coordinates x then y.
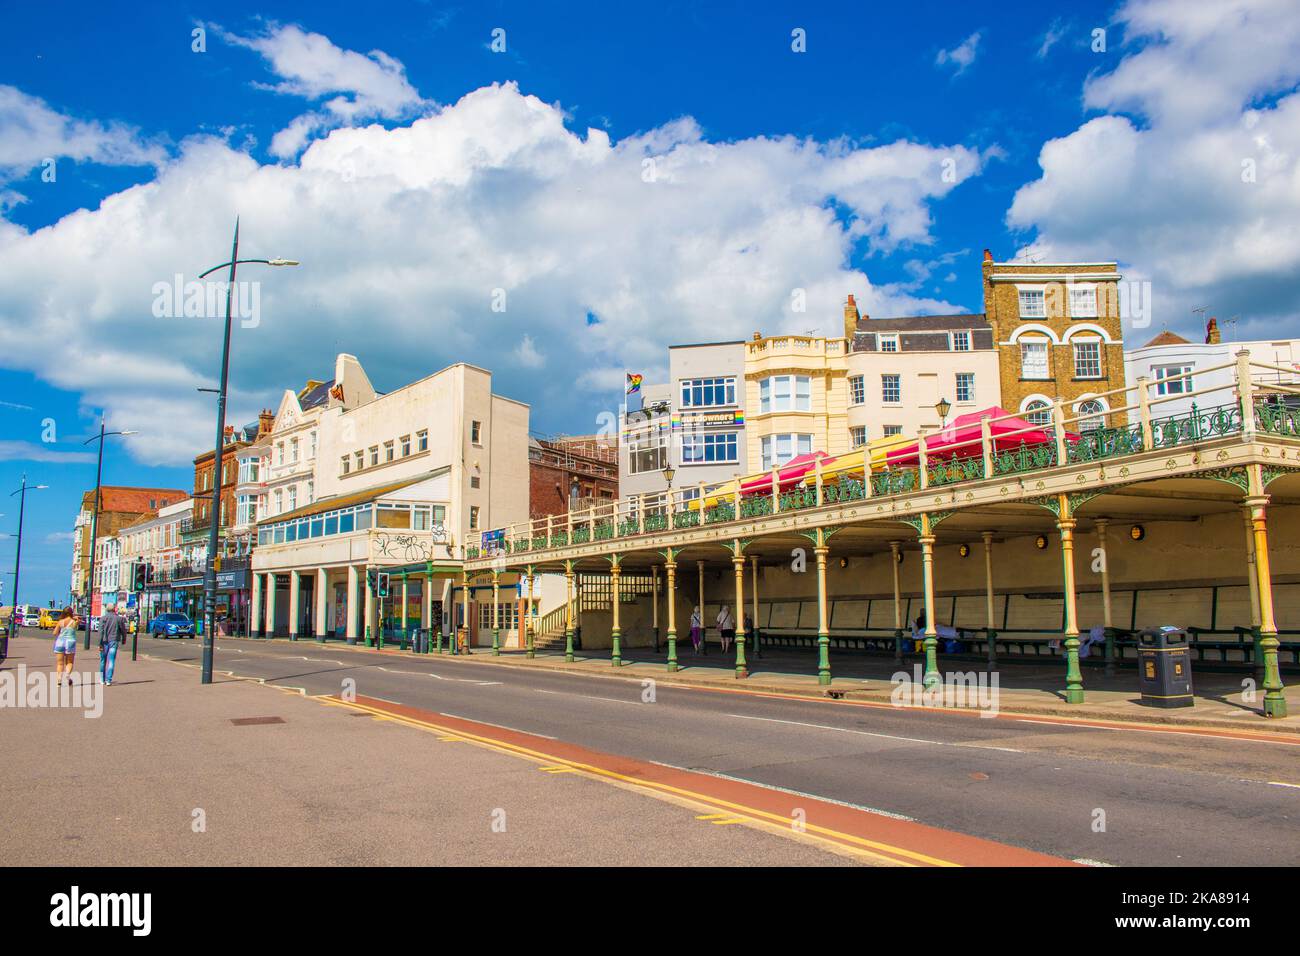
{"type": "Point", "coordinates": [1122, 797]}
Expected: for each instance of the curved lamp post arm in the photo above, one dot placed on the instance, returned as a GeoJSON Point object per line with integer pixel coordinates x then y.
{"type": "Point", "coordinates": [240, 262]}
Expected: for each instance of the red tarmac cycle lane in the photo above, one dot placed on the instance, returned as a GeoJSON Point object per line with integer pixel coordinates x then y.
{"type": "Point", "coordinates": [892, 840]}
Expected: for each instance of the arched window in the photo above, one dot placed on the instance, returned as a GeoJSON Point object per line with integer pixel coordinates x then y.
{"type": "Point", "coordinates": [1090, 415]}
{"type": "Point", "coordinates": [1038, 412]}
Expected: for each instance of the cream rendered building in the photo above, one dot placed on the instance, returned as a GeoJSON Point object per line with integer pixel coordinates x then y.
{"type": "Point", "coordinates": [796, 401]}
{"type": "Point", "coordinates": [389, 482]}
{"type": "Point", "coordinates": [900, 369]}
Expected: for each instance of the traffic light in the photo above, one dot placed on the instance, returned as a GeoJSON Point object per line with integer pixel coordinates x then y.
{"type": "Point", "coordinates": [138, 571]}
{"type": "Point", "coordinates": [383, 584]}
{"type": "Point", "coordinates": [370, 579]}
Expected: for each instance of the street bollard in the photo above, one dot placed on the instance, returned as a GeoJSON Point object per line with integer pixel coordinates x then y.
{"type": "Point", "coordinates": [370, 641]}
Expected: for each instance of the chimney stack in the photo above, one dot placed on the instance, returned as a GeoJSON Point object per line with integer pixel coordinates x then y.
{"type": "Point", "coordinates": [1212, 331]}
{"type": "Point", "coordinates": [851, 317]}
{"type": "Point", "coordinates": [265, 420]}
{"type": "Point", "coordinates": [988, 256]}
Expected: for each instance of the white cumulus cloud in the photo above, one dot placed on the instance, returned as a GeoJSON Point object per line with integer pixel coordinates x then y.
{"type": "Point", "coordinates": [31, 131]}
{"type": "Point", "coordinates": [1190, 176]}
{"type": "Point", "coordinates": [353, 87]}
{"type": "Point", "coordinates": [406, 235]}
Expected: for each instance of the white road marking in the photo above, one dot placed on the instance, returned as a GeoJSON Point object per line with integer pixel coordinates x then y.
{"type": "Point", "coordinates": [458, 680]}
{"type": "Point", "coordinates": [978, 746]}
{"type": "Point", "coordinates": [1149, 730]}
{"type": "Point", "coordinates": [612, 700]}
{"type": "Point", "coordinates": [1087, 862]}
{"type": "Point", "coordinates": [502, 726]}
{"type": "Point", "coordinates": [793, 793]}
{"type": "Point", "coordinates": [843, 730]}
{"type": "Point", "coordinates": [385, 700]}
{"type": "Point", "coordinates": [1282, 783]}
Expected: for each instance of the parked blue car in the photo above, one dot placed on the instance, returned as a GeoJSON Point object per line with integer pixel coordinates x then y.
{"type": "Point", "coordinates": [171, 624]}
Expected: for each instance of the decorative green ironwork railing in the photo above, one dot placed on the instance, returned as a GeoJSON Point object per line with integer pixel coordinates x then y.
{"type": "Point", "coordinates": [798, 498]}
{"type": "Point", "coordinates": [956, 469]}
{"type": "Point", "coordinates": [1101, 443]}
{"type": "Point", "coordinates": [844, 489]}
{"type": "Point", "coordinates": [1273, 415]}
{"type": "Point", "coordinates": [471, 552]}
{"type": "Point", "coordinates": [1025, 458]}
{"type": "Point", "coordinates": [1277, 418]}
{"type": "Point", "coordinates": [1195, 426]}
{"type": "Point", "coordinates": [723, 511]}
{"type": "Point", "coordinates": [895, 481]}
{"type": "Point", "coordinates": [686, 519]}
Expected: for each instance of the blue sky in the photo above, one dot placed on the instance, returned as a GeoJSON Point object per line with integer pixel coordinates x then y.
{"type": "Point", "coordinates": [430, 170]}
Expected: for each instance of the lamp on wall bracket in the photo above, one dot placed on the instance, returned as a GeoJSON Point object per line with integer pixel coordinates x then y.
{"type": "Point", "coordinates": [942, 408]}
{"type": "Point", "coordinates": [1137, 532]}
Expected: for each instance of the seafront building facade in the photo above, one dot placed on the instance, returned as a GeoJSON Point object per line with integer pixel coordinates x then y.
{"type": "Point", "coordinates": [694, 424]}
{"type": "Point", "coordinates": [1057, 328]}
{"type": "Point", "coordinates": [119, 506]}
{"type": "Point", "coordinates": [900, 370]}
{"type": "Point", "coordinates": [156, 542]}
{"type": "Point", "coordinates": [1176, 369]}
{"type": "Point", "coordinates": [393, 483]}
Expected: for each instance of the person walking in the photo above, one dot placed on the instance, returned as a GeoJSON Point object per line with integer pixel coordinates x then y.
{"type": "Point", "coordinates": [697, 629]}
{"type": "Point", "coordinates": [726, 627]}
{"type": "Point", "coordinates": [65, 645]}
{"type": "Point", "coordinates": [112, 631]}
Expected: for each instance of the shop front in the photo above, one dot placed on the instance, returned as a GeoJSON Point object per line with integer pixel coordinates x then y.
{"type": "Point", "coordinates": [232, 600]}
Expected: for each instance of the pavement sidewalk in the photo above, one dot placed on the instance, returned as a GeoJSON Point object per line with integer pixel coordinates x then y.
{"type": "Point", "coordinates": [240, 774]}
{"type": "Point", "coordinates": [1024, 688]}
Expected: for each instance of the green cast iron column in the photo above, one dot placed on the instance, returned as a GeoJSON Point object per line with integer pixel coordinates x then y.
{"type": "Point", "coordinates": [615, 634]}
{"type": "Point", "coordinates": [671, 568]}
{"type": "Point", "coordinates": [568, 611]}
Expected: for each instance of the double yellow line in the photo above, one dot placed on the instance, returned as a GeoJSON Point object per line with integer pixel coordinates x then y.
{"type": "Point", "coordinates": [737, 813]}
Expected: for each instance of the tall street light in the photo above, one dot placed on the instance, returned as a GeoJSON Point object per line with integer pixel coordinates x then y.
{"type": "Point", "coordinates": [94, 521]}
{"type": "Point", "coordinates": [18, 554]}
{"type": "Point", "coordinates": [214, 512]}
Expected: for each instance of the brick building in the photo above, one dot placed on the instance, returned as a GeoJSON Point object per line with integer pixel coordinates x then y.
{"type": "Point", "coordinates": [197, 535]}
{"type": "Point", "coordinates": [581, 469]}
{"type": "Point", "coordinates": [1057, 329]}
{"type": "Point", "coordinates": [118, 507]}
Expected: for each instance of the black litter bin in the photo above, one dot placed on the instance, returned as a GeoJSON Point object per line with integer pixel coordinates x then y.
{"type": "Point", "coordinates": [1165, 667]}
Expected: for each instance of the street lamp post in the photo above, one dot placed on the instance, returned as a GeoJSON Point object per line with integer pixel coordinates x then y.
{"type": "Point", "coordinates": [18, 553]}
{"type": "Point", "coordinates": [214, 514]}
{"type": "Point", "coordinates": [943, 408]}
{"type": "Point", "coordinates": [94, 520]}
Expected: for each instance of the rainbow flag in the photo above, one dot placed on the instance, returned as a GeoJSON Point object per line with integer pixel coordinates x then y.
{"type": "Point", "coordinates": [634, 382]}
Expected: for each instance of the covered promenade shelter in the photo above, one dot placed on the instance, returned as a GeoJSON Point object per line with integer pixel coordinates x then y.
{"type": "Point", "coordinates": [1099, 527]}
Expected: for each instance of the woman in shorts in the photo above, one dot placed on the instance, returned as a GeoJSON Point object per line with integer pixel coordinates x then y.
{"type": "Point", "coordinates": [65, 644]}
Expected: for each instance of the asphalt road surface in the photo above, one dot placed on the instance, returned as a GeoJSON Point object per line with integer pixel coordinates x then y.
{"type": "Point", "coordinates": [1120, 797]}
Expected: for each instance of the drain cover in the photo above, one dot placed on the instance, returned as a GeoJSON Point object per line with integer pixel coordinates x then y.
{"type": "Point", "coordinates": [250, 721]}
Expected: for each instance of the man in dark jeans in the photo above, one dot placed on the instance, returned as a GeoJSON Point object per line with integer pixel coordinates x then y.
{"type": "Point", "coordinates": [112, 631]}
